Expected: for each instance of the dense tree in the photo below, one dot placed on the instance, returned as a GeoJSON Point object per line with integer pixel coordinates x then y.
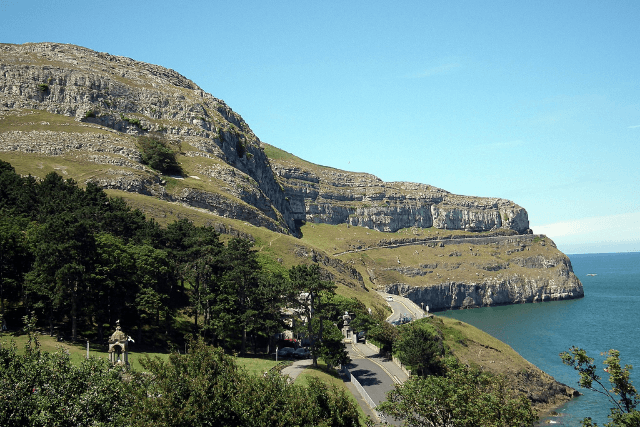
{"type": "Point", "coordinates": [241, 282]}
{"type": "Point", "coordinates": [113, 287]}
{"type": "Point", "coordinates": [17, 194]}
{"type": "Point", "coordinates": [331, 346]}
{"type": "Point", "coordinates": [420, 346]}
{"type": "Point", "coordinates": [45, 389]}
{"type": "Point", "coordinates": [157, 153]}
{"type": "Point", "coordinates": [384, 334]}
{"type": "Point", "coordinates": [623, 395]}
{"type": "Point", "coordinates": [308, 287]}
{"type": "Point", "coordinates": [14, 258]}
{"type": "Point", "coordinates": [462, 397]}
{"type": "Point", "coordinates": [202, 266]}
{"type": "Point", "coordinates": [64, 251]}
{"type": "Point", "coordinates": [202, 388]}
{"type": "Point", "coordinates": [152, 277]}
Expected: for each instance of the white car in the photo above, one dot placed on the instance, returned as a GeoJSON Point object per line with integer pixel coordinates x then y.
{"type": "Point", "coordinates": [389, 298]}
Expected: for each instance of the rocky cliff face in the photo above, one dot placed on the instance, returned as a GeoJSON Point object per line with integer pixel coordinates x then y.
{"type": "Point", "coordinates": [521, 269]}
{"type": "Point", "coordinates": [325, 195]}
{"type": "Point", "coordinates": [113, 99]}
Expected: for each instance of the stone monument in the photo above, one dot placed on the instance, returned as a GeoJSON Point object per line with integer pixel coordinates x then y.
{"type": "Point", "coordinates": [346, 329]}
{"type": "Point", "coordinates": [119, 347]}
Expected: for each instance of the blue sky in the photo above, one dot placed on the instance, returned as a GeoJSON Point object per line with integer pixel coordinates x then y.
{"type": "Point", "coordinates": [536, 102]}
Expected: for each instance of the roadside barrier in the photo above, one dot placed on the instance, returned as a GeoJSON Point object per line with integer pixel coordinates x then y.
{"type": "Point", "coordinates": [393, 358]}
{"type": "Point", "coordinates": [364, 394]}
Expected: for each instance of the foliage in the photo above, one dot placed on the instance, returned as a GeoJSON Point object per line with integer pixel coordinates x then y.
{"type": "Point", "coordinates": [156, 153]}
{"type": "Point", "coordinates": [82, 260]}
{"type": "Point", "coordinates": [385, 334]}
{"type": "Point", "coordinates": [202, 388]}
{"type": "Point", "coordinates": [623, 395]}
{"type": "Point", "coordinates": [308, 288]}
{"type": "Point", "coordinates": [420, 346]}
{"type": "Point", "coordinates": [332, 348]}
{"type": "Point", "coordinates": [205, 387]}
{"type": "Point", "coordinates": [43, 87]}
{"type": "Point", "coordinates": [464, 396]}
{"type": "Point", "coordinates": [39, 388]}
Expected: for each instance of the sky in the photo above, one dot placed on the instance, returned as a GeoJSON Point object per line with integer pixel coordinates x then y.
{"type": "Point", "coordinates": [535, 102]}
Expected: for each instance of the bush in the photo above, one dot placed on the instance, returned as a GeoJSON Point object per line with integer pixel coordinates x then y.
{"type": "Point", "coordinates": [43, 87]}
{"type": "Point", "coordinates": [420, 346]}
{"type": "Point", "coordinates": [463, 396]}
{"type": "Point", "coordinates": [156, 153]}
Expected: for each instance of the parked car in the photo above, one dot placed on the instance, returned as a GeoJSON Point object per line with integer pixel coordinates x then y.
{"type": "Point", "coordinates": [360, 336]}
{"type": "Point", "coordinates": [286, 352]}
{"type": "Point", "coordinates": [301, 353]}
{"type": "Point", "coordinates": [389, 298]}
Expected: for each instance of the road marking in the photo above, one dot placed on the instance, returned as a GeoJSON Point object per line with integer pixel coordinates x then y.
{"type": "Point", "coordinates": [410, 311]}
{"type": "Point", "coordinates": [393, 377]}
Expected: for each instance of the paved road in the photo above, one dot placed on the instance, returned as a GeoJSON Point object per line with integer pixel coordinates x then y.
{"type": "Point", "coordinates": [401, 306]}
{"type": "Point", "coordinates": [376, 375]}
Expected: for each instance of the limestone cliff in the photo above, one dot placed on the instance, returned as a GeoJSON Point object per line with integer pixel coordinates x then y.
{"type": "Point", "coordinates": [326, 195]}
{"type": "Point", "coordinates": [467, 273]}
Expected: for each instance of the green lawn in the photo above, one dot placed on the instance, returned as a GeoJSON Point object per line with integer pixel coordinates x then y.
{"type": "Point", "coordinates": [78, 351]}
{"type": "Point", "coordinates": [257, 364]}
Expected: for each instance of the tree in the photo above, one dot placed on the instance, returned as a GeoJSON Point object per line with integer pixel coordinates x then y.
{"type": "Point", "coordinates": [14, 259]}
{"type": "Point", "coordinates": [45, 389]}
{"type": "Point", "coordinates": [270, 298]}
{"type": "Point", "coordinates": [206, 387]}
{"type": "Point", "coordinates": [308, 286]}
{"type": "Point", "coordinates": [332, 347]}
{"type": "Point", "coordinates": [385, 334]}
{"type": "Point", "coordinates": [336, 305]}
{"type": "Point", "coordinates": [113, 289]}
{"type": "Point", "coordinates": [420, 346]}
{"type": "Point", "coordinates": [64, 251]}
{"type": "Point", "coordinates": [156, 152]}
{"type": "Point", "coordinates": [241, 281]}
{"type": "Point", "coordinates": [152, 276]}
{"type": "Point", "coordinates": [623, 395]}
{"type": "Point", "coordinates": [463, 397]}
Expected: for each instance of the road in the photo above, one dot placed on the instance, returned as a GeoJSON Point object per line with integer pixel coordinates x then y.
{"type": "Point", "coordinates": [377, 375]}
{"type": "Point", "coordinates": [401, 306]}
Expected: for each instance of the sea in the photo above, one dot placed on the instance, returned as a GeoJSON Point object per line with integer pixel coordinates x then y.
{"type": "Point", "coordinates": [608, 317]}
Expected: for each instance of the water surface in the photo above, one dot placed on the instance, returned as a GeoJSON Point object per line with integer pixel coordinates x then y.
{"type": "Point", "coordinates": [607, 317]}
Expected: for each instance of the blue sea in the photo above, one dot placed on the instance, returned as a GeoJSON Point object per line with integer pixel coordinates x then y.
{"type": "Point", "coordinates": [608, 317]}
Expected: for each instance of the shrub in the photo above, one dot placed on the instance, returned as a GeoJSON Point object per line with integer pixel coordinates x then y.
{"type": "Point", "coordinates": [43, 87]}
{"type": "Point", "coordinates": [156, 153]}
